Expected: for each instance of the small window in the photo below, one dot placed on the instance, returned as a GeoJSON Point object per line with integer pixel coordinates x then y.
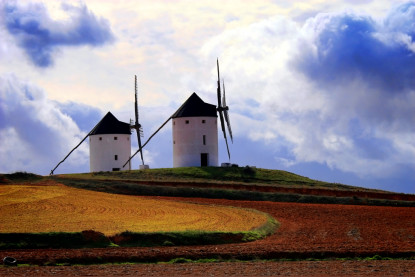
{"type": "Point", "coordinates": [203, 121]}
{"type": "Point", "coordinates": [100, 138]}
{"type": "Point", "coordinates": [204, 139]}
{"type": "Point", "coordinates": [187, 121]}
{"type": "Point", "coordinates": [174, 122]}
{"type": "Point", "coordinates": [115, 169]}
{"type": "Point", "coordinates": [116, 157]}
{"type": "Point", "coordinates": [128, 138]}
{"type": "Point", "coordinates": [174, 142]}
{"type": "Point", "coordinates": [115, 138]}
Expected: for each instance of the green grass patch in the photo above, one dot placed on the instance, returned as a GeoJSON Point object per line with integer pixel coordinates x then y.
{"type": "Point", "coordinates": [240, 175]}
{"type": "Point", "coordinates": [20, 177]}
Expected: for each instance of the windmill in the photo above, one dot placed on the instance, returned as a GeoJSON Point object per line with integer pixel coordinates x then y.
{"type": "Point", "coordinates": [107, 148]}
{"type": "Point", "coordinates": [189, 109]}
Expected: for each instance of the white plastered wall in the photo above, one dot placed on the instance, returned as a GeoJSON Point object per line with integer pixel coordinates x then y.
{"type": "Point", "coordinates": [107, 153]}
{"type": "Point", "coordinates": [188, 143]}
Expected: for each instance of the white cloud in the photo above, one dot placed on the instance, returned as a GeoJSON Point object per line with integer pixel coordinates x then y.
{"type": "Point", "coordinates": [347, 122]}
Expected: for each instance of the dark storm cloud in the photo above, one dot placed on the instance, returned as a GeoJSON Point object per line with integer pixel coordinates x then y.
{"type": "Point", "coordinates": [348, 46]}
{"type": "Point", "coordinates": [40, 36]}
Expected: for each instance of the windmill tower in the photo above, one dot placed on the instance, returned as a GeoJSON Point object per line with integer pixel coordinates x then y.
{"type": "Point", "coordinates": [195, 130]}
{"type": "Point", "coordinates": [195, 134]}
{"type": "Point", "coordinates": [109, 145]}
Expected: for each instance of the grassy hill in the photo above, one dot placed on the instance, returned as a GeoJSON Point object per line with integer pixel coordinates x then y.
{"type": "Point", "coordinates": [237, 183]}
{"type": "Point", "coordinates": [221, 175]}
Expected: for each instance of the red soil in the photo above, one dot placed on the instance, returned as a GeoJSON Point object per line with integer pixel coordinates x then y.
{"type": "Point", "coordinates": [307, 230]}
{"type": "Point", "coordinates": [299, 268]}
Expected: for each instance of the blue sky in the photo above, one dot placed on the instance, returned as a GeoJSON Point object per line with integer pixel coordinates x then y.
{"type": "Point", "coordinates": [322, 89]}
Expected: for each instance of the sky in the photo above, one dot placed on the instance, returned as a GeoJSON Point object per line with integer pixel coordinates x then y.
{"type": "Point", "coordinates": [324, 89]}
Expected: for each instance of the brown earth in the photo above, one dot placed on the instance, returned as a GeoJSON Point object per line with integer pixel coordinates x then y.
{"type": "Point", "coordinates": [294, 268]}
{"type": "Point", "coordinates": [307, 231]}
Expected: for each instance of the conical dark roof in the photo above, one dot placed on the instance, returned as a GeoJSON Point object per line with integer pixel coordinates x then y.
{"type": "Point", "coordinates": [109, 124]}
{"type": "Point", "coordinates": [194, 106]}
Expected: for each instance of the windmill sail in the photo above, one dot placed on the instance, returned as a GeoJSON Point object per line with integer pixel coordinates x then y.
{"type": "Point", "coordinates": [137, 125]}
{"type": "Point", "coordinates": [220, 111]}
{"type": "Point", "coordinates": [225, 112]}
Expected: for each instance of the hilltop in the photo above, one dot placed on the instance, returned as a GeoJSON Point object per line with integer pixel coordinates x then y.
{"type": "Point", "coordinates": [239, 183]}
{"type": "Point", "coordinates": [222, 175]}
{"type": "Point", "coordinates": [234, 183]}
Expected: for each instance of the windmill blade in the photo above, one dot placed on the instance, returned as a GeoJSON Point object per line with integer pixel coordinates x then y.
{"type": "Point", "coordinates": [218, 89]}
{"type": "Point", "coordinates": [137, 125]}
{"type": "Point", "coordinates": [220, 111]}
{"type": "Point", "coordinates": [226, 113]}
{"type": "Point", "coordinates": [136, 104]}
{"type": "Point", "coordinates": [147, 141]}
{"type": "Point", "coordinates": [138, 129]}
{"type": "Point", "coordinates": [222, 124]}
{"type": "Point", "coordinates": [228, 123]}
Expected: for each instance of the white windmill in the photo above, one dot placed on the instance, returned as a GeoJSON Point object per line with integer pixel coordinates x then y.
{"type": "Point", "coordinates": [110, 143]}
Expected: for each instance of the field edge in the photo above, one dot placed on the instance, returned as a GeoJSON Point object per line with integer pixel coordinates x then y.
{"type": "Point", "coordinates": [94, 239]}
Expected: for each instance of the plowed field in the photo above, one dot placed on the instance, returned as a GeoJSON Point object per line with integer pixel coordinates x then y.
{"type": "Point", "coordinates": [56, 208]}
{"type": "Point", "coordinates": [307, 230]}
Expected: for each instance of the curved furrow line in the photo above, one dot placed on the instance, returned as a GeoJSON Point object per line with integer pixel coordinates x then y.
{"type": "Point", "coordinates": [57, 208]}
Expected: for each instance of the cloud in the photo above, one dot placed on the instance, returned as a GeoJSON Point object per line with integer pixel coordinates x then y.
{"type": "Point", "coordinates": [364, 70]}
{"type": "Point", "coordinates": [35, 133]}
{"type": "Point", "coordinates": [337, 90]}
{"type": "Point", "coordinates": [41, 37]}
{"type": "Point", "coordinates": [85, 116]}
{"type": "Point", "coordinates": [401, 20]}
{"type": "Point", "coordinates": [342, 47]}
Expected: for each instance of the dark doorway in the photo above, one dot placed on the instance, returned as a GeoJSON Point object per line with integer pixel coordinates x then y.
{"type": "Point", "coordinates": [204, 159]}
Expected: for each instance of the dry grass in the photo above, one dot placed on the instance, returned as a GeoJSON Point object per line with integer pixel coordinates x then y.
{"type": "Point", "coordinates": [52, 207]}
